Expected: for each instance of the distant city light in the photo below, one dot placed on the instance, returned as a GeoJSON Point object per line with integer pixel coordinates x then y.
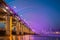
{"type": "Point", "coordinates": [57, 32]}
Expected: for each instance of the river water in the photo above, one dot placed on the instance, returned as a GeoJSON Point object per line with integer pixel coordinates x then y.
{"type": "Point", "coordinates": [35, 37]}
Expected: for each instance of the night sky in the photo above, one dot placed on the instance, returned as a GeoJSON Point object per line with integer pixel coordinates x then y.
{"type": "Point", "coordinates": [40, 15]}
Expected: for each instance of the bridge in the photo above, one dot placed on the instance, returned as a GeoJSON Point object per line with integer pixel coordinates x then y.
{"type": "Point", "coordinates": [14, 25]}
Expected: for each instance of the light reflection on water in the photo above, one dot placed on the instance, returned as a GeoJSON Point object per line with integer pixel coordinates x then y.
{"type": "Point", "coordinates": [28, 37]}
{"type": "Point", "coordinates": [23, 37]}
{"type": "Point", "coordinates": [34, 37]}
{"type": "Point", "coordinates": [46, 38]}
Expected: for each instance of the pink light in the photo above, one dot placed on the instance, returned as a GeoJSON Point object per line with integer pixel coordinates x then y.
{"type": "Point", "coordinates": [57, 32]}
{"type": "Point", "coordinates": [7, 8]}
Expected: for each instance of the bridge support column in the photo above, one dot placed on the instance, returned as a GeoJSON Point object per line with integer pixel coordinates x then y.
{"type": "Point", "coordinates": [17, 27]}
{"type": "Point", "coordinates": [7, 25]}
{"type": "Point", "coordinates": [10, 27]}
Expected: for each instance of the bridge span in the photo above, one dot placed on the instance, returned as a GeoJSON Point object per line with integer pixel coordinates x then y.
{"type": "Point", "coordinates": [14, 27]}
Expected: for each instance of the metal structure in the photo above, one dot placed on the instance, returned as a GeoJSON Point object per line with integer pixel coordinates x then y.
{"type": "Point", "coordinates": [14, 25]}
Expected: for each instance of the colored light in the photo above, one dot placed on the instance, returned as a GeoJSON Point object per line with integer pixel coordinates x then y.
{"type": "Point", "coordinates": [57, 32]}
{"type": "Point", "coordinates": [4, 10]}
{"type": "Point", "coordinates": [11, 12]}
{"type": "Point", "coordinates": [7, 8]}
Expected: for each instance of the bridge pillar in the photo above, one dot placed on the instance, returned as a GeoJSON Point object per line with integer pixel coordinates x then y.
{"type": "Point", "coordinates": [21, 28]}
{"type": "Point", "coordinates": [10, 27]}
{"type": "Point", "coordinates": [17, 27]}
{"type": "Point", "coordinates": [7, 25]}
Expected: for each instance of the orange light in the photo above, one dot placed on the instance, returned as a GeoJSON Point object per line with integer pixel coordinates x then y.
{"type": "Point", "coordinates": [4, 10]}
{"type": "Point", "coordinates": [10, 27]}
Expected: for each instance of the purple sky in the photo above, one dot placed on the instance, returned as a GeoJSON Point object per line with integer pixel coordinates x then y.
{"type": "Point", "coordinates": [41, 16]}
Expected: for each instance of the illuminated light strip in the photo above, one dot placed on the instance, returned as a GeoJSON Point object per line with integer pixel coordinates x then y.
{"type": "Point", "coordinates": [52, 32]}
{"type": "Point", "coordinates": [10, 27]}
{"type": "Point", "coordinates": [4, 10]}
